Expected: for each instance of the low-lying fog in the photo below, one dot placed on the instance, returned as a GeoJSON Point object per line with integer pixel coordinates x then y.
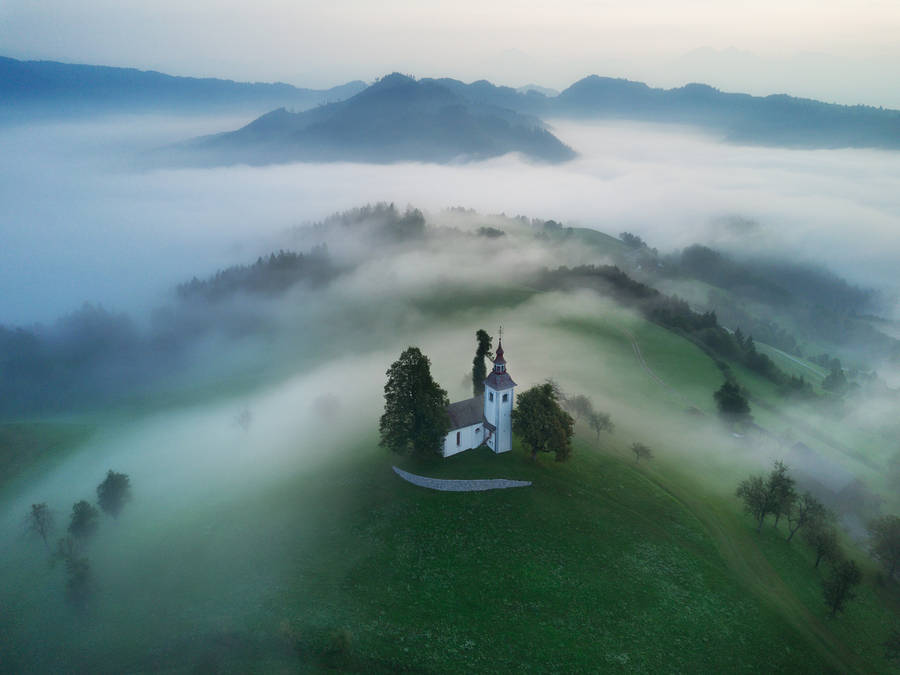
{"type": "Point", "coordinates": [80, 221]}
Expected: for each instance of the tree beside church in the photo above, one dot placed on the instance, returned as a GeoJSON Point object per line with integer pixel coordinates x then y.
{"type": "Point", "coordinates": [415, 418]}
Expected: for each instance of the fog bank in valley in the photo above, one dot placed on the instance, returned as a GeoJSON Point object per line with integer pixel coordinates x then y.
{"type": "Point", "coordinates": [82, 221]}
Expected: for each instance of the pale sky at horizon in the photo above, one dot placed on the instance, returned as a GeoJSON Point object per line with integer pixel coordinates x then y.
{"type": "Point", "coordinates": [836, 50]}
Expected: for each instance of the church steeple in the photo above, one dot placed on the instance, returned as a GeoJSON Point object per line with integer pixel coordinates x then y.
{"type": "Point", "coordinates": [499, 361]}
{"type": "Point", "coordinates": [498, 403]}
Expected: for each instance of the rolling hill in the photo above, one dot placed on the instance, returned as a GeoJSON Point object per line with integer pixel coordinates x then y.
{"type": "Point", "coordinates": [396, 119]}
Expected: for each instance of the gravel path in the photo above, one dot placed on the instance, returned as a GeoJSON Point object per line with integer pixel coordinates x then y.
{"type": "Point", "coordinates": [476, 485]}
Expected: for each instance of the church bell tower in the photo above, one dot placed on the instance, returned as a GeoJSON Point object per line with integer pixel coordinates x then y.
{"type": "Point", "coordinates": [499, 390]}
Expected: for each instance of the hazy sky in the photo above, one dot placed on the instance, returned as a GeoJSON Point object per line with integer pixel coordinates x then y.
{"type": "Point", "coordinates": [839, 50]}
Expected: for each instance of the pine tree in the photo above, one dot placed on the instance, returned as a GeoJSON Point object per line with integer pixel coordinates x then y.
{"type": "Point", "coordinates": [479, 370]}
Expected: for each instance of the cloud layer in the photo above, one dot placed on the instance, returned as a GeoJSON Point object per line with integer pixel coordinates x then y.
{"type": "Point", "coordinates": [80, 222]}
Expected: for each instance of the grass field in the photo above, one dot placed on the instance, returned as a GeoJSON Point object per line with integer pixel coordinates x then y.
{"type": "Point", "coordinates": [602, 565]}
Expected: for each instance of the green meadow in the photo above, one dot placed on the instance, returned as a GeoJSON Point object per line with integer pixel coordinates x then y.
{"type": "Point", "coordinates": [602, 565]}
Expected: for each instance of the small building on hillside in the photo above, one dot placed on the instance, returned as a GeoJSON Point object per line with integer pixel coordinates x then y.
{"type": "Point", "coordinates": [485, 419]}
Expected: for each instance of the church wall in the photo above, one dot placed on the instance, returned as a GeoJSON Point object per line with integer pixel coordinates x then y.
{"type": "Point", "coordinates": [498, 412]}
{"type": "Point", "coordinates": [504, 428]}
{"type": "Point", "coordinates": [469, 437]}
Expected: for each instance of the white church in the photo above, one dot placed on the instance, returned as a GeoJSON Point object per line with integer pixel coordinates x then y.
{"type": "Point", "coordinates": [485, 419]}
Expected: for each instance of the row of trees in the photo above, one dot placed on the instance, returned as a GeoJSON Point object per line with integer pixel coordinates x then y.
{"type": "Point", "coordinates": [583, 409]}
{"type": "Point", "coordinates": [112, 494]}
{"type": "Point", "coordinates": [776, 495]}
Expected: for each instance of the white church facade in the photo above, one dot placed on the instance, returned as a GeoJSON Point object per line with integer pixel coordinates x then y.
{"type": "Point", "coordinates": [485, 419]}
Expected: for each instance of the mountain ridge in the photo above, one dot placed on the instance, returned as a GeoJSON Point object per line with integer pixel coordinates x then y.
{"type": "Point", "coordinates": [52, 88]}
{"type": "Point", "coordinates": [30, 89]}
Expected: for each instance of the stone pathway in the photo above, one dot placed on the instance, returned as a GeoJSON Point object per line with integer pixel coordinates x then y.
{"type": "Point", "coordinates": [475, 485]}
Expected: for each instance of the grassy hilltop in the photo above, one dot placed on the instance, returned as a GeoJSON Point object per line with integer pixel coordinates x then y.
{"type": "Point", "coordinates": [292, 545]}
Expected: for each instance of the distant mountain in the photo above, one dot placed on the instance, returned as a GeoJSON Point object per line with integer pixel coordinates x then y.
{"type": "Point", "coordinates": [396, 119]}
{"type": "Point", "coordinates": [779, 119]}
{"type": "Point", "coordinates": [49, 88]}
{"type": "Point", "coordinates": [770, 120]}
{"type": "Point", "coordinates": [485, 120]}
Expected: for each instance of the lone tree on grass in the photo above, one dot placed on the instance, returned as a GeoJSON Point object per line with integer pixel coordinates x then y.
{"type": "Point", "coordinates": [542, 424]}
{"type": "Point", "coordinates": [84, 520]}
{"type": "Point", "coordinates": [732, 403]}
{"type": "Point", "coordinates": [40, 521]}
{"type": "Point", "coordinates": [804, 510]}
{"type": "Point", "coordinates": [415, 408]}
{"type": "Point", "coordinates": [479, 370]}
{"type": "Point", "coordinates": [641, 451]}
{"type": "Point", "coordinates": [113, 492]}
{"type": "Point", "coordinates": [885, 542]}
{"type": "Point", "coordinates": [838, 588]}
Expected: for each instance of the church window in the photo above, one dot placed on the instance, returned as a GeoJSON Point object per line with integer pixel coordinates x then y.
{"type": "Point", "coordinates": [457, 437]}
{"type": "Point", "coordinates": [490, 396]}
{"type": "Point", "coordinates": [505, 397]}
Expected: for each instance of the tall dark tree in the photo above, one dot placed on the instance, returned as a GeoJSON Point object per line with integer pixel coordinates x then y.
{"type": "Point", "coordinates": [732, 403]}
{"type": "Point", "coordinates": [884, 533]}
{"type": "Point", "coordinates": [84, 520]}
{"type": "Point", "coordinates": [113, 492]}
{"type": "Point", "coordinates": [542, 424]}
{"type": "Point", "coordinates": [781, 485]}
{"type": "Point", "coordinates": [40, 521]}
{"type": "Point", "coordinates": [838, 587]}
{"type": "Point", "coordinates": [804, 510]}
{"type": "Point", "coordinates": [479, 369]}
{"type": "Point", "coordinates": [415, 407]}
{"type": "Point", "coordinates": [822, 538]}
